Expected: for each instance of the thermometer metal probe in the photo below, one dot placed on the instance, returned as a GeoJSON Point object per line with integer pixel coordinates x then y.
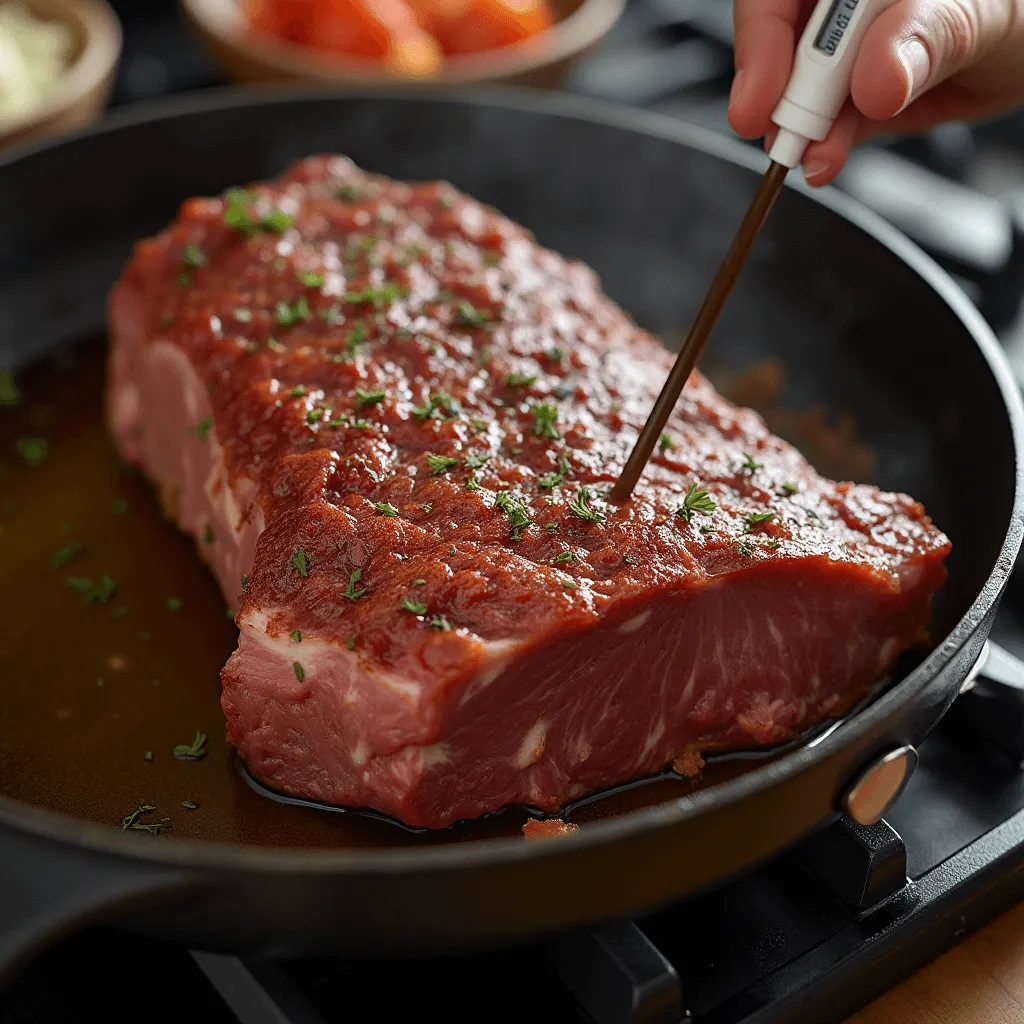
{"type": "Point", "coordinates": [818, 87]}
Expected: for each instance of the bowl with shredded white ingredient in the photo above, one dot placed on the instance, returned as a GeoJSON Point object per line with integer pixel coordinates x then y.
{"type": "Point", "coordinates": [57, 64]}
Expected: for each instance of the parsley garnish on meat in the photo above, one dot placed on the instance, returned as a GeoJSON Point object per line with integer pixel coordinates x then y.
{"type": "Point", "coordinates": [666, 444]}
{"type": "Point", "coordinates": [385, 508]}
{"type": "Point", "coordinates": [310, 278]}
{"type": "Point", "coordinates": [565, 556]}
{"type": "Point", "coordinates": [204, 427]}
{"type": "Point", "coordinates": [757, 518]}
{"type": "Point", "coordinates": [750, 463]}
{"type": "Point", "coordinates": [299, 391]}
{"type": "Point", "coordinates": [520, 380]}
{"type": "Point", "coordinates": [65, 554]}
{"type": "Point", "coordinates": [368, 398]}
{"type": "Point", "coordinates": [194, 255]}
{"type": "Point", "coordinates": [276, 220]}
{"type": "Point", "coordinates": [237, 214]}
{"type": "Point", "coordinates": [440, 464]}
{"type": "Point", "coordinates": [580, 507]}
{"type": "Point", "coordinates": [300, 562]}
{"type": "Point", "coordinates": [695, 500]}
{"type": "Point", "coordinates": [194, 751]}
{"type": "Point", "coordinates": [190, 805]}
{"type": "Point", "coordinates": [315, 415]}
{"type": "Point", "coordinates": [418, 583]}
{"type": "Point", "coordinates": [552, 528]}
{"type": "Point", "coordinates": [296, 636]}
{"type": "Point", "coordinates": [352, 592]}
{"type": "Point", "coordinates": [300, 672]}
{"type": "Point", "coordinates": [350, 642]}
{"type": "Point", "coordinates": [350, 193]}
{"type": "Point", "coordinates": [427, 506]}
{"type": "Point", "coordinates": [468, 315]}
{"type": "Point", "coordinates": [631, 560]}
{"type": "Point", "coordinates": [441, 404]}
{"type": "Point", "coordinates": [476, 460]}
{"type": "Point", "coordinates": [518, 514]}
{"type": "Point", "coordinates": [552, 480]}
{"type": "Point", "coordinates": [440, 622]}
{"type": "Point", "coordinates": [472, 484]}
{"type": "Point", "coordinates": [386, 293]}
{"type": "Point", "coordinates": [290, 314]}
{"type": "Point", "coordinates": [790, 488]}
{"type": "Point", "coordinates": [545, 415]}
{"type": "Point", "coordinates": [274, 345]}
{"type": "Point", "coordinates": [416, 607]}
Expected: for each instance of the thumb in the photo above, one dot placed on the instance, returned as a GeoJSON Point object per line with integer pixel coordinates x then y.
{"type": "Point", "coordinates": [916, 44]}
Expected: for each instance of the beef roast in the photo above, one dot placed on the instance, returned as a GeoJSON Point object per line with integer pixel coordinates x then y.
{"type": "Point", "coordinates": [390, 420]}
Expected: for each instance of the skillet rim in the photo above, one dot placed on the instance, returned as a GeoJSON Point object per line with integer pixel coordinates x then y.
{"type": "Point", "coordinates": [193, 853]}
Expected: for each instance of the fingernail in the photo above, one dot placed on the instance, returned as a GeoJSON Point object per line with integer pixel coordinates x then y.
{"type": "Point", "coordinates": [815, 169]}
{"type": "Point", "coordinates": [917, 65]}
{"type": "Point", "coordinates": [737, 88]}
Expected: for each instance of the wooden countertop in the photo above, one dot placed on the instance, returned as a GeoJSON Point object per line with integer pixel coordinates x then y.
{"type": "Point", "coordinates": [981, 981]}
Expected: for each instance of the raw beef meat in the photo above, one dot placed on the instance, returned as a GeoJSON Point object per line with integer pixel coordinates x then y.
{"type": "Point", "coordinates": [389, 418]}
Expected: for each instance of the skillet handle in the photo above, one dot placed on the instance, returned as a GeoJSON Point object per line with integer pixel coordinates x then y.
{"type": "Point", "coordinates": [991, 703]}
{"type": "Point", "coordinates": [49, 890]}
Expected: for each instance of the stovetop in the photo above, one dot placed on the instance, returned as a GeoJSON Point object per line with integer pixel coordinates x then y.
{"type": "Point", "coordinates": [807, 938]}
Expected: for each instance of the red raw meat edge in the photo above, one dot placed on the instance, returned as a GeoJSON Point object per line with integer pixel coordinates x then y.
{"type": "Point", "coordinates": [389, 418]}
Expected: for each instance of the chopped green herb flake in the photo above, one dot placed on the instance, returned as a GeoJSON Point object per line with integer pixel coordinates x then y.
{"type": "Point", "coordinates": [551, 527]}
{"type": "Point", "coordinates": [695, 500]}
{"type": "Point", "coordinates": [314, 415]}
{"type": "Point", "coordinates": [790, 488]}
{"type": "Point", "coordinates": [440, 463]}
{"type": "Point", "coordinates": [518, 514]}
{"type": "Point", "coordinates": [580, 507]}
{"type": "Point", "coordinates": [184, 279]}
{"type": "Point", "coordinates": [417, 583]}
{"type": "Point", "coordinates": [708, 529]}
{"type": "Point", "coordinates": [10, 393]}
{"type": "Point", "coordinates": [350, 641]}
{"type": "Point", "coordinates": [469, 315]}
{"type": "Point", "coordinates": [175, 604]}
{"type": "Point", "coordinates": [520, 380]}
{"type": "Point", "coordinates": [274, 345]}
{"type": "Point", "coordinates": [276, 220]}
{"type": "Point", "coordinates": [744, 548]}
{"type": "Point", "coordinates": [194, 255]}
{"type": "Point", "coordinates": [190, 805]}
{"type": "Point", "coordinates": [666, 444]}
{"type": "Point", "coordinates": [300, 562]}
{"type": "Point", "coordinates": [552, 480]}
{"type": "Point", "coordinates": [245, 584]}
{"type": "Point", "coordinates": [194, 751]}
{"type": "Point", "coordinates": [385, 508]}
{"type": "Point", "coordinates": [565, 556]}
{"type": "Point", "coordinates": [299, 391]}
{"type": "Point", "coordinates": [296, 636]}
{"type": "Point", "coordinates": [415, 607]}
{"type": "Point", "coordinates": [33, 450]}
{"type": "Point", "coordinates": [476, 460]}
{"type": "Point", "coordinates": [750, 463]}
{"type": "Point", "coordinates": [290, 314]}
{"type": "Point", "coordinates": [380, 297]}
{"type": "Point", "coordinates": [65, 554]}
{"type": "Point", "coordinates": [132, 823]}
{"type": "Point", "coordinates": [350, 193]}
{"type": "Point", "coordinates": [427, 506]}
{"type": "Point", "coordinates": [119, 507]}
{"type": "Point", "coordinates": [93, 593]}
{"type": "Point", "coordinates": [439, 405]}
{"type": "Point", "coordinates": [545, 416]}
{"type": "Point", "coordinates": [148, 756]}
{"type": "Point", "coordinates": [757, 518]}
{"type": "Point", "coordinates": [165, 321]}
{"type": "Point", "coordinates": [570, 584]}
{"type": "Point", "coordinates": [368, 398]}
{"type": "Point", "coordinates": [352, 592]}
{"type": "Point", "coordinates": [300, 672]}
{"type": "Point", "coordinates": [204, 427]}
{"type": "Point", "coordinates": [310, 278]}
{"type": "Point", "coordinates": [472, 484]}
{"type": "Point", "coordinates": [631, 560]}
{"type": "Point", "coordinates": [478, 425]}
{"type": "Point", "coordinates": [440, 622]}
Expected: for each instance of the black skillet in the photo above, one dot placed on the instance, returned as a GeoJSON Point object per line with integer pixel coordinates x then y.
{"type": "Point", "coordinates": [861, 320]}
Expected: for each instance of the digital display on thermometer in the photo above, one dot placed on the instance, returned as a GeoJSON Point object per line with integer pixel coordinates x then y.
{"type": "Point", "coordinates": [835, 25]}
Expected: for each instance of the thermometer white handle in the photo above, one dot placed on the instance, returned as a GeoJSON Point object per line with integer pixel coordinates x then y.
{"type": "Point", "coordinates": [822, 69]}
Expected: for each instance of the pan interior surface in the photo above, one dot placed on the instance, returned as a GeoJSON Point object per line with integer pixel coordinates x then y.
{"type": "Point", "coordinates": [101, 687]}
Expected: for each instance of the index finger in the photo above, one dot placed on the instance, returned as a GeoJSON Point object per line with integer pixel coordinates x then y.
{"type": "Point", "coordinates": [765, 40]}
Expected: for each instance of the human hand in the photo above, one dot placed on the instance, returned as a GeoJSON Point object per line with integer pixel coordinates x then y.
{"type": "Point", "coordinates": [921, 62]}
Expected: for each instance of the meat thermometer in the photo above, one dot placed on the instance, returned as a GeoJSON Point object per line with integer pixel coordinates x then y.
{"type": "Point", "coordinates": [818, 87]}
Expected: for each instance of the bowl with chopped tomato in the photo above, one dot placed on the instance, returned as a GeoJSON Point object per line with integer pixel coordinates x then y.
{"type": "Point", "coordinates": [456, 42]}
